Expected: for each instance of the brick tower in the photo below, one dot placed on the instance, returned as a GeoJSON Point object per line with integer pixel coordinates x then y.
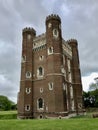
{"type": "Point", "coordinates": [50, 85]}
{"type": "Point", "coordinates": [26, 84]}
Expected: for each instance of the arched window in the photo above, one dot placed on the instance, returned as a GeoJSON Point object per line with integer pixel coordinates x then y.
{"type": "Point", "coordinates": [41, 58]}
{"type": "Point", "coordinates": [55, 33]}
{"type": "Point", "coordinates": [41, 90]}
{"type": "Point", "coordinates": [28, 74]}
{"type": "Point", "coordinates": [40, 72]}
{"type": "Point", "coordinates": [50, 50]}
{"type": "Point", "coordinates": [40, 103]}
{"type": "Point", "coordinates": [23, 58]}
{"type": "Point", "coordinates": [28, 90]}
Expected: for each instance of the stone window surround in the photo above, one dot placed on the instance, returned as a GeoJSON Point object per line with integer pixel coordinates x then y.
{"type": "Point", "coordinates": [23, 59]}
{"type": "Point", "coordinates": [64, 86]}
{"type": "Point", "coordinates": [28, 90]}
{"type": "Point", "coordinates": [55, 33]}
{"type": "Point", "coordinates": [40, 72]}
{"type": "Point", "coordinates": [27, 107]}
{"type": "Point", "coordinates": [28, 74]}
{"type": "Point", "coordinates": [42, 108]}
{"type": "Point", "coordinates": [41, 57]}
{"type": "Point", "coordinates": [41, 90]}
{"type": "Point", "coordinates": [71, 91]}
{"type": "Point", "coordinates": [50, 85]}
{"type": "Point", "coordinates": [50, 50]}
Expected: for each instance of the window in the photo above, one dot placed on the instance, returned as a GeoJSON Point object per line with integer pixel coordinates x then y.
{"type": "Point", "coordinates": [28, 74]}
{"type": "Point", "coordinates": [72, 105]}
{"type": "Point", "coordinates": [23, 58]}
{"type": "Point", "coordinates": [50, 50]}
{"type": "Point", "coordinates": [29, 36]}
{"type": "Point", "coordinates": [71, 91]}
{"type": "Point", "coordinates": [27, 108]}
{"type": "Point", "coordinates": [49, 25]}
{"type": "Point", "coordinates": [41, 90]}
{"type": "Point", "coordinates": [55, 33]}
{"type": "Point", "coordinates": [79, 105]}
{"type": "Point", "coordinates": [62, 70]}
{"type": "Point", "coordinates": [28, 90]}
{"type": "Point", "coordinates": [68, 64]}
{"type": "Point", "coordinates": [40, 72]}
{"type": "Point", "coordinates": [50, 86]}
{"type": "Point", "coordinates": [41, 58]}
{"type": "Point", "coordinates": [63, 60]}
{"type": "Point", "coordinates": [64, 86]}
{"type": "Point", "coordinates": [69, 77]}
{"type": "Point", "coordinates": [40, 103]}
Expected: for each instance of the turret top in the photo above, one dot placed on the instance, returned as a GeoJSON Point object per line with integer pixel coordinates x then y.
{"type": "Point", "coordinates": [72, 42]}
{"type": "Point", "coordinates": [53, 16]}
{"type": "Point", "coordinates": [28, 29]}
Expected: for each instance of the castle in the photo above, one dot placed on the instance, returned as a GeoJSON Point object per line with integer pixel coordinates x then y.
{"type": "Point", "coordinates": [50, 84]}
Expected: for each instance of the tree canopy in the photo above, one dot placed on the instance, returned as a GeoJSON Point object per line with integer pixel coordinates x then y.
{"type": "Point", "coordinates": [6, 104]}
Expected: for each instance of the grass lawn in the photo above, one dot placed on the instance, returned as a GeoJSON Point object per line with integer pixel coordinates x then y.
{"type": "Point", "coordinates": [8, 115]}
{"type": "Point", "coordinates": [57, 124]}
{"type": "Point", "coordinates": [8, 121]}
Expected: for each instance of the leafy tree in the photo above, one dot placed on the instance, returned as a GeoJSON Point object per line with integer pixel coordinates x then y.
{"type": "Point", "coordinates": [5, 103]}
{"type": "Point", "coordinates": [93, 86]}
{"type": "Point", "coordinates": [88, 99]}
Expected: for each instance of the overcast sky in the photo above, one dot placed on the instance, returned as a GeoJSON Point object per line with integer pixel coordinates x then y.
{"type": "Point", "coordinates": [79, 21]}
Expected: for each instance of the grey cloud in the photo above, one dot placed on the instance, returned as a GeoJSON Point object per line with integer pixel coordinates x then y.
{"type": "Point", "coordinates": [82, 25]}
{"type": "Point", "coordinates": [79, 20]}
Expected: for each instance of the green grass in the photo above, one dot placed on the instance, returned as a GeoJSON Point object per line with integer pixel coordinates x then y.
{"type": "Point", "coordinates": [63, 124]}
{"type": "Point", "coordinates": [8, 121]}
{"type": "Point", "coordinates": [8, 115]}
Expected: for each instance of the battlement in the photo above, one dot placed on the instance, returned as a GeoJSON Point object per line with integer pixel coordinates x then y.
{"type": "Point", "coordinates": [28, 29]}
{"type": "Point", "coordinates": [71, 40]}
{"type": "Point", "coordinates": [39, 37]}
{"type": "Point", "coordinates": [39, 41]}
{"type": "Point", "coordinates": [53, 16]}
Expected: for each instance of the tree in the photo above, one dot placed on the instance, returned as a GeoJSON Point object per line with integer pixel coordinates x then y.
{"type": "Point", "coordinates": [89, 99]}
{"type": "Point", "coordinates": [5, 103]}
{"type": "Point", "coordinates": [93, 86]}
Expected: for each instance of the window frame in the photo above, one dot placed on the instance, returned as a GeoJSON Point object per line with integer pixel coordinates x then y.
{"type": "Point", "coordinates": [50, 50]}
{"type": "Point", "coordinates": [40, 73]}
{"type": "Point", "coordinates": [28, 90]}
{"type": "Point", "coordinates": [28, 76]}
{"type": "Point", "coordinates": [27, 107]}
{"type": "Point", "coordinates": [50, 85]}
{"type": "Point", "coordinates": [42, 104]}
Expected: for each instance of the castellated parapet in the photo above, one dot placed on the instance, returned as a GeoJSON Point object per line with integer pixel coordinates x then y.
{"type": "Point", "coordinates": [50, 85]}
{"type": "Point", "coordinates": [72, 41]}
{"type": "Point", "coordinates": [28, 29]}
{"type": "Point", "coordinates": [53, 16]}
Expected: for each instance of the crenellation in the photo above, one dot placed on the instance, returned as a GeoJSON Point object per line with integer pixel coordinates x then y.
{"type": "Point", "coordinates": [66, 44]}
{"type": "Point", "coordinates": [39, 37]}
{"type": "Point", "coordinates": [29, 29]}
{"type": "Point", "coordinates": [53, 16]}
{"type": "Point", "coordinates": [71, 40]}
{"type": "Point", "coordinates": [38, 48]}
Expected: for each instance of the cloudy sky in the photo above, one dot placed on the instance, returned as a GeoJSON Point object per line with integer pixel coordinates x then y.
{"type": "Point", "coordinates": [79, 21]}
